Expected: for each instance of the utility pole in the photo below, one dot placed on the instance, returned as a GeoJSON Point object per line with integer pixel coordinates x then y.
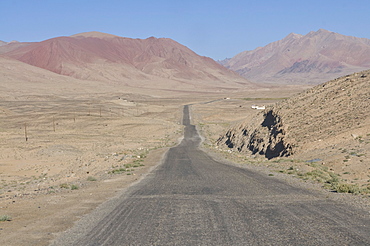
{"type": "Point", "coordinates": [25, 131]}
{"type": "Point", "coordinates": [53, 124]}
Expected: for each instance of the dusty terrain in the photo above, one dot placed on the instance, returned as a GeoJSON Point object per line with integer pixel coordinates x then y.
{"type": "Point", "coordinates": [76, 149]}
{"type": "Point", "coordinates": [322, 133]}
{"type": "Point", "coordinates": [82, 149]}
{"type": "Point", "coordinates": [99, 147]}
{"type": "Point", "coordinates": [193, 199]}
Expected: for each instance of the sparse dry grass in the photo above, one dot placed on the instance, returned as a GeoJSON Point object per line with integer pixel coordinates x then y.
{"type": "Point", "coordinates": [70, 139]}
{"type": "Point", "coordinates": [94, 134]}
{"type": "Point", "coordinates": [344, 155]}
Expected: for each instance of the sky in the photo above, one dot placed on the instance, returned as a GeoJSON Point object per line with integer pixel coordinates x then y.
{"type": "Point", "coordinates": [213, 28]}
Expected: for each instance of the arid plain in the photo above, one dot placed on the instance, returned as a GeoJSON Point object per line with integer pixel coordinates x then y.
{"type": "Point", "coordinates": [82, 148]}
{"type": "Point", "coordinates": [70, 142]}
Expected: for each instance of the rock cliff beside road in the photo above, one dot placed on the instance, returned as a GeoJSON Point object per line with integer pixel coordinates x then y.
{"type": "Point", "coordinates": [265, 135]}
{"type": "Point", "coordinates": [328, 118]}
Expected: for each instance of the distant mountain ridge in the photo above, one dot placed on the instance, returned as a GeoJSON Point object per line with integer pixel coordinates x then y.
{"type": "Point", "coordinates": [100, 56]}
{"type": "Point", "coordinates": [9, 46]}
{"type": "Point", "coordinates": [303, 59]}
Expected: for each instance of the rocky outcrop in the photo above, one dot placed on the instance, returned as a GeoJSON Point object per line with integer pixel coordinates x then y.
{"type": "Point", "coordinates": [321, 117]}
{"type": "Point", "coordinates": [265, 136]}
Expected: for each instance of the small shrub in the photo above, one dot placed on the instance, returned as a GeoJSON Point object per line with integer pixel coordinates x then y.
{"type": "Point", "coordinates": [117, 171]}
{"type": "Point", "coordinates": [5, 218]}
{"type": "Point", "coordinates": [334, 178]}
{"type": "Point", "coordinates": [91, 178]}
{"type": "Point", "coordinates": [347, 188]}
{"type": "Point", "coordinates": [64, 186]}
{"type": "Point", "coordinates": [317, 175]}
{"type": "Point", "coordinates": [74, 187]}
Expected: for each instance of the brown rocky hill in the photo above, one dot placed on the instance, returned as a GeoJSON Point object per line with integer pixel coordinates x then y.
{"type": "Point", "coordinates": [310, 59]}
{"type": "Point", "coordinates": [329, 113]}
{"type": "Point", "coordinates": [98, 56]}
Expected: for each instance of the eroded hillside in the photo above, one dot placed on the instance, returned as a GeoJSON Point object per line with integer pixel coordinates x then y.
{"type": "Point", "coordinates": [329, 123]}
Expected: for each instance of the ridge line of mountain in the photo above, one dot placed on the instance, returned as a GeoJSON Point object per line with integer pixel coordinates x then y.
{"type": "Point", "coordinates": [105, 57]}
{"type": "Point", "coordinates": [303, 59]}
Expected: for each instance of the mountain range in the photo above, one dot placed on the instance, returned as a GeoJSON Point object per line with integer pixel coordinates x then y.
{"type": "Point", "coordinates": [297, 59]}
{"type": "Point", "coordinates": [303, 59]}
{"type": "Point", "coordinates": [104, 57]}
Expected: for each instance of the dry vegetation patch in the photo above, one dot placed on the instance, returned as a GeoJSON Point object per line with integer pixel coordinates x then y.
{"type": "Point", "coordinates": [57, 150]}
{"type": "Point", "coordinates": [334, 154]}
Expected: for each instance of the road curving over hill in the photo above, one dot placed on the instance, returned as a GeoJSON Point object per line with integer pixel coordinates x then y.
{"type": "Point", "coordinates": [192, 199]}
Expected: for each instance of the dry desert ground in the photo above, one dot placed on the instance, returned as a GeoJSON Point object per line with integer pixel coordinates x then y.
{"type": "Point", "coordinates": [61, 156]}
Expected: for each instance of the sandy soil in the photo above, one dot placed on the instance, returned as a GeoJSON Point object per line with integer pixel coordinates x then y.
{"type": "Point", "coordinates": [61, 155]}
{"type": "Point", "coordinates": [78, 152]}
{"type": "Point", "coordinates": [81, 150]}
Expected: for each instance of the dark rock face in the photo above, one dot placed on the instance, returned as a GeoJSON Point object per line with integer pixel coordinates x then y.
{"type": "Point", "coordinates": [265, 138]}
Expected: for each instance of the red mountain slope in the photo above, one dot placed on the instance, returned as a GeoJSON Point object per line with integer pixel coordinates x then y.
{"type": "Point", "coordinates": [98, 56]}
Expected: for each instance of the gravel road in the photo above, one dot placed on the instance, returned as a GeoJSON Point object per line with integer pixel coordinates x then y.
{"type": "Point", "coordinates": [191, 199]}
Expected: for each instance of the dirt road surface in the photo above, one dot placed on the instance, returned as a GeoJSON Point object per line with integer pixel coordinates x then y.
{"type": "Point", "coordinates": [192, 199]}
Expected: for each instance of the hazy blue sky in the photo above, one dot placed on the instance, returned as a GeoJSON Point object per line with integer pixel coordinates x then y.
{"type": "Point", "coordinates": [213, 28]}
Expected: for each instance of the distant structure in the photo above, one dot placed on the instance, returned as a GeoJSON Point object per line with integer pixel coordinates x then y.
{"type": "Point", "coordinates": [258, 107]}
